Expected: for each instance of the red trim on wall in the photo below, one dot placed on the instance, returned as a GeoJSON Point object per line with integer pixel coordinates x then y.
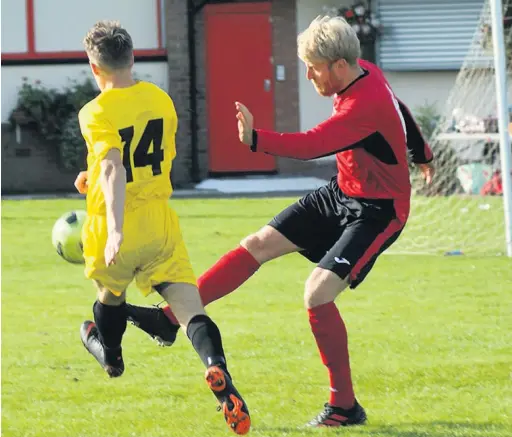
{"type": "Point", "coordinates": [159, 22]}
{"type": "Point", "coordinates": [32, 55]}
{"type": "Point", "coordinates": [238, 8]}
{"type": "Point", "coordinates": [72, 55]}
{"type": "Point", "coordinates": [31, 32]}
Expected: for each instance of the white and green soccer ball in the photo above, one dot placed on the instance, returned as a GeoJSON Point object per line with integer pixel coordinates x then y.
{"type": "Point", "coordinates": [67, 238]}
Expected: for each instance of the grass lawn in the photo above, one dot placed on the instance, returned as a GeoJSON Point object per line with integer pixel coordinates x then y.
{"type": "Point", "coordinates": [430, 340]}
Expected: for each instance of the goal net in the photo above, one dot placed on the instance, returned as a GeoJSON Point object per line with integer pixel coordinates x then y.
{"type": "Point", "coordinates": [462, 211]}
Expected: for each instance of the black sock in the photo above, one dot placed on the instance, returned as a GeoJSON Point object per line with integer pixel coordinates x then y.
{"type": "Point", "coordinates": [135, 312]}
{"type": "Point", "coordinates": [111, 323]}
{"type": "Point", "coordinates": [206, 339]}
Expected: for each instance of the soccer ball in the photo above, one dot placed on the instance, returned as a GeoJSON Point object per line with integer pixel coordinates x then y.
{"type": "Point", "coordinates": [66, 236]}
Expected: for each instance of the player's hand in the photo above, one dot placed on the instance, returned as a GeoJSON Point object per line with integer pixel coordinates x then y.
{"type": "Point", "coordinates": [81, 182]}
{"type": "Point", "coordinates": [114, 241]}
{"type": "Point", "coordinates": [245, 123]}
{"type": "Point", "coordinates": [427, 171]}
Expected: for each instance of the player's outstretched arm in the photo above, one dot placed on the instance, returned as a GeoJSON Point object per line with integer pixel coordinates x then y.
{"type": "Point", "coordinates": [335, 134]}
{"type": "Point", "coordinates": [113, 184]}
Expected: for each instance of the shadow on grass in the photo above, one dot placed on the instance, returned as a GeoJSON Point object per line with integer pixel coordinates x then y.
{"type": "Point", "coordinates": [433, 429]}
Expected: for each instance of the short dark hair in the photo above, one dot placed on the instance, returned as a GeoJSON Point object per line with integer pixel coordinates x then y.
{"type": "Point", "coordinates": [109, 45]}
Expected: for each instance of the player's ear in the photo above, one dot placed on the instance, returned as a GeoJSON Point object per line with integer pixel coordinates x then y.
{"type": "Point", "coordinates": [339, 67]}
{"type": "Point", "coordinates": [95, 69]}
{"type": "Point", "coordinates": [341, 64]}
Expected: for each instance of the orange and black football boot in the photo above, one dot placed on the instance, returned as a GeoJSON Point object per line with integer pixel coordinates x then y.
{"type": "Point", "coordinates": [231, 403]}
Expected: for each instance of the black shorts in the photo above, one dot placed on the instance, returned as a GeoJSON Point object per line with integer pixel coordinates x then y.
{"type": "Point", "coordinates": [342, 234]}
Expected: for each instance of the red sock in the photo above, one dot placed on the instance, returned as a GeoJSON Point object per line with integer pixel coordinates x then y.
{"type": "Point", "coordinates": [331, 338]}
{"type": "Point", "coordinates": [225, 276]}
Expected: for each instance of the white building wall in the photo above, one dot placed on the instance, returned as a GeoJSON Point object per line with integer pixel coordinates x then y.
{"type": "Point", "coordinates": [64, 25]}
{"type": "Point", "coordinates": [58, 76]}
{"type": "Point", "coordinates": [417, 88]}
{"type": "Point", "coordinates": [14, 34]}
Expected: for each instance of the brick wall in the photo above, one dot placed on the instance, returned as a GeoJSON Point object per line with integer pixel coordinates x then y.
{"type": "Point", "coordinates": [179, 82]}
{"type": "Point", "coordinates": [284, 51]}
{"type": "Point", "coordinates": [29, 166]}
{"type": "Point", "coordinates": [178, 71]}
{"type": "Point", "coordinates": [202, 110]}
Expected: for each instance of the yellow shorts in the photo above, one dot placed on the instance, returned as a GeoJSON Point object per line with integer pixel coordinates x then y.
{"type": "Point", "coordinates": [152, 252]}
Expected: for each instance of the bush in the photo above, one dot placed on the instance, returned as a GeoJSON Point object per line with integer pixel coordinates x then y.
{"type": "Point", "coordinates": [445, 159]}
{"type": "Point", "coordinates": [427, 116]}
{"type": "Point", "coordinates": [53, 114]}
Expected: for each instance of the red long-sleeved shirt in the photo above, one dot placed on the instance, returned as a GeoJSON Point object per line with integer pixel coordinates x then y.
{"type": "Point", "coordinates": [368, 132]}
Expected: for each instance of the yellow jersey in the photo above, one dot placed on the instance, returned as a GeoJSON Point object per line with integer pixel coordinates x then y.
{"type": "Point", "coordinates": [141, 122]}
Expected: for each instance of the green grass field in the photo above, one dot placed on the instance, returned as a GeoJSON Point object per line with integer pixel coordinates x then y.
{"type": "Point", "coordinates": [430, 340]}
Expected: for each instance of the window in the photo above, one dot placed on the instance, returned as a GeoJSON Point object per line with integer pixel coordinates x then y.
{"type": "Point", "coordinates": [427, 34]}
{"type": "Point", "coordinates": [32, 31]}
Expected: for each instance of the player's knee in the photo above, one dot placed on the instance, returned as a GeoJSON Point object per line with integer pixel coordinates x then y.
{"type": "Point", "coordinates": [312, 293]}
{"type": "Point", "coordinates": [322, 286]}
{"type": "Point", "coordinates": [256, 245]}
{"type": "Point", "coordinates": [106, 297]}
{"type": "Point", "coordinates": [267, 244]}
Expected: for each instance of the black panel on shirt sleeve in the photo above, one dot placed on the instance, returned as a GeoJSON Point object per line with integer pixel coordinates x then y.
{"type": "Point", "coordinates": [254, 143]}
{"type": "Point", "coordinates": [376, 145]}
{"type": "Point", "coordinates": [415, 141]}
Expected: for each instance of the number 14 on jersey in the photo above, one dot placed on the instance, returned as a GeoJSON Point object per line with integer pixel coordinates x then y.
{"type": "Point", "coordinates": [153, 133]}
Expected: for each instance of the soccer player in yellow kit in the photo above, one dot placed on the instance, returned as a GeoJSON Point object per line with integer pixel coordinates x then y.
{"type": "Point", "coordinates": [131, 232]}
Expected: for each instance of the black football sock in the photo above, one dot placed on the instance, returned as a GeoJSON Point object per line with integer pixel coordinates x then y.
{"type": "Point", "coordinates": [111, 323]}
{"type": "Point", "coordinates": [206, 339]}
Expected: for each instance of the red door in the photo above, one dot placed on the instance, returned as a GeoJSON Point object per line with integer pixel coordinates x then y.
{"type": "Point", "coordinates": [239, 68]}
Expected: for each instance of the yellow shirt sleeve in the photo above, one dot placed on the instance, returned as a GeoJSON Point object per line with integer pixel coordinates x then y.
{"type": "Point", "coordinates": [99, 135]}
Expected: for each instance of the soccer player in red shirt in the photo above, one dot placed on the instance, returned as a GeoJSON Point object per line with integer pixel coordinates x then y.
{"type": "Point", "coordinates": [345, 225]}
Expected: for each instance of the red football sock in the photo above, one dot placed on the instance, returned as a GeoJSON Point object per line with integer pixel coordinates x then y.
{"type": "Point", "coordinates": [331, 338]}
{"type": "Point", "coordinates": [225, 276]}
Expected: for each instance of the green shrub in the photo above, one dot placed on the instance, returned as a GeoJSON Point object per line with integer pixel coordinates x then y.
{"type": "Point", "coordinates": [53, 114]}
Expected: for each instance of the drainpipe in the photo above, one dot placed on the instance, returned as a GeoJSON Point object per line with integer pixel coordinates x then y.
{"type": "Point", "coordinates": [192, 11]}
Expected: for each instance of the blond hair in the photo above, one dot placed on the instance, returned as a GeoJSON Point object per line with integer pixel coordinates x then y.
{"type": "Point", "coordinates": [109, 45]}
{"type": "Point", "coordinates": [329, 39]}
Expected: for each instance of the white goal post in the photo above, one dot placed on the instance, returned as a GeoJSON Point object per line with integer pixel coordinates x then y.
{"type": "Point", "coordinates": [503, 115]}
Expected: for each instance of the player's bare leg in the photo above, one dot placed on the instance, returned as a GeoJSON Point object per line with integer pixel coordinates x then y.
{"type": "Point", "coordinates": [206, 339]}
{"type": "Point", "coordinates": [268, 244]}
{"type": "Point", "coordinates": [102, 338]}
{"type": "Point", "coordinates": [322, 288]}
{"type": "Point", "coordinates": [238, 265]}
